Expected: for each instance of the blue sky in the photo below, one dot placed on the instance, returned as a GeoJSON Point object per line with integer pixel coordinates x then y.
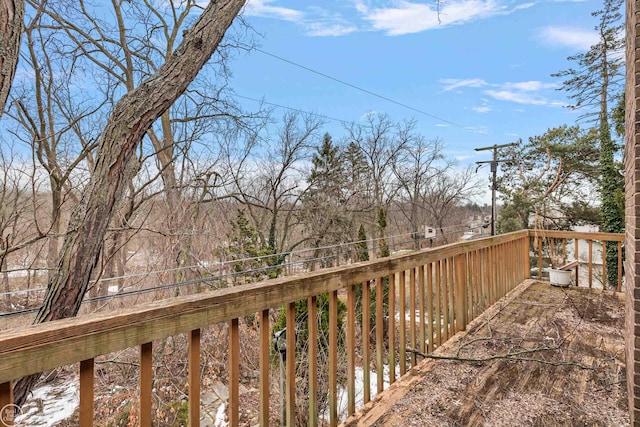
{"type": "Point", "coordinates": [484, 68]}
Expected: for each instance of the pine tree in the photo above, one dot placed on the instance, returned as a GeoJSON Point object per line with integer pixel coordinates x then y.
{"type": "Point", "coordinates": [593, 85]}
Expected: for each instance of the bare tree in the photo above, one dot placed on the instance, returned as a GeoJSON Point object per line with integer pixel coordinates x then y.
{"type": "Point", "coordinates": [272, 182]}
{"type": "Point", "coordinates": [132, 117]}
{"type": "Point", "coordinates": [381, 141]}
{"type": "Point", "coordinates": [419, 163]}
{"type": "Point", "coordinates": [446, 192]}
{"type": "Point", "coordinates": [11, 13]}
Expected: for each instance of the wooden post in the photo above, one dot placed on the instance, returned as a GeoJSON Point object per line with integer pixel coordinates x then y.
{"type": "Point", "coordinates": [7, 410]}
{"type": "Point", "coordinates": [577, 256]}
{"type": "Point", "coordinates": [366, 379]}
{"type": "Point", "coordinates": [265, 346]}
{"type": "Point", "coordinates": [421, 307]}
{"type": "Point", "coordinates": [604, 265]}
{"type": "Point", "coordinates": [527, 260]}
{"type": "Point", "coordinates": [392, 328]}
{"type": "Point", "coordinates": [438, 303]}
{"type": "Point", "coordinates": [430, 306]}
{"type": "Point", "coordinates": [234, 373]}
{"type": "Point", "coordinates": [590, 246]}
{"type": "Point", "coordinates": [446, 283]}
{"type": "Point", "coordinates": [403, 323]}
{"type": "Point", "coordinates": [333, 359]}
{"type": "Point", "coordinates": [539, 257]}
{"type": "Point", "coordinates": [86, 392]}
{"type": "Point", "coordinates": [312, 321]}
{"type": "Point", "coordinates": [412, 314]}
{"type": "Point", "coordinates": [461, 293]}
{"type": "Point", "coordinates": [379, 333]}
{"type": "Point", "coordinates": [619, 266]}
{"type": "Point", "coordinates": [146, 383]}
{"type": "Point", "coordinates": [194, 377]}
{"type": "Point", "coordinates": [290, 387]}
{"type": "Point", "coordinates": [351, 350]}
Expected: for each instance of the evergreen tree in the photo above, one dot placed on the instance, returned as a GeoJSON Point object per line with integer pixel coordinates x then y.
{"type": "Point", "coordinates": [594, 84]}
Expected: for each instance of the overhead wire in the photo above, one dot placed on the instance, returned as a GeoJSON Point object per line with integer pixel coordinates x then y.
{"type": "Point", "coordinates": [377, 95]}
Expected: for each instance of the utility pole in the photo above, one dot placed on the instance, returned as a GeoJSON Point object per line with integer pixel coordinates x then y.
{"type": "Point", "coordinates": [494, 172]}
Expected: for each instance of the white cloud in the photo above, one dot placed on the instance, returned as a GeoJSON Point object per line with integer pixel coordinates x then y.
{"type": "Point", "coordinates": [517, 97]}
{"type": "Point", "coordinates": [452, 84]}
{"type": "Point", "coordinates": [323, 29]}
{"type": "Point", "coordinates": [407, 17]}
{"type": "Point", "coordinates": [530, 86]}
{"type": "Point", "coordinates": [264, 9]}
{"type": "Point", "coordinates": [574, 38]}
{"type": "Point", "coordinates": [482, 109]}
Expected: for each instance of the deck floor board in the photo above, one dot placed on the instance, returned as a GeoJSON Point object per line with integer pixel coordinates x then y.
{"type": "Point", "coordinates": [557, 358]}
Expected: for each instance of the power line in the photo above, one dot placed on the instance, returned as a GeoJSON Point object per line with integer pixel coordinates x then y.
{"type": "Point", "coordinates": [324, 116]}
{"type": "Point", "coordinates": [393, 101]}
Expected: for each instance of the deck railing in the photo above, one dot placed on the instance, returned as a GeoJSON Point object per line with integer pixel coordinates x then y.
{"type": "Point", "coordinates": [588, 249]}
{"type": "Point", "coordinates": [432, 294]}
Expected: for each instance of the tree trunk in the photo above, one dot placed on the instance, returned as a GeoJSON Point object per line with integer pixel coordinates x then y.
{"type": "Point", "coordinates": [11, 14]}
{"type": "Point", "coordinates": [115, 164]}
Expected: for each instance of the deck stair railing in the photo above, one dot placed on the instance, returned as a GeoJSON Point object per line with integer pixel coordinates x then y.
{"type": "Point", "coordinates": [432, 294]}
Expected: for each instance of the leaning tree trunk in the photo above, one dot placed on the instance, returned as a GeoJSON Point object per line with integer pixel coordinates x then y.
{"type": "Point", "coordinates": [131, 119]}
{"type": "Point", "coordinates": [11, 14]}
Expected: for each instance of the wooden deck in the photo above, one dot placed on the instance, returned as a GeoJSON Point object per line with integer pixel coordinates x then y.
{"type": "Point", "coordinates": [541, 356]}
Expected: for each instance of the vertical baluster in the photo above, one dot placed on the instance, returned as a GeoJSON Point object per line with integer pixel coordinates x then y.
{"type": "Point", "coordinates": [380, 334]}
{"type": "Point", "coordinates": [194, 377]}
{"type": "Point", "coordinates": [619, 266]}
{"type": "Point", "coordinates": [333, 358]}
{"type": "Point", "coordinates": [290, 386]}
{"type": "Point", "coordinates": [438, 302]}
{"type": "Point", "coordinates": [450, 306]}
{"type": "Point", "coordinates": [146, 383]}
{"type": "Point", "coordinates": [412, 314]}
{"type": "Point", "coordinates": [577, 256]}
{"type": "Point", "coordinates": [527, 258]}
{"type": "Point", "coordinates": [604, 265]}
{"type": "Point", "coordinates": [366, 372]}
{"type": "Point", "coordinates": [86, 392]}
{"type": "Point", "coordinates": [312, 321]}
{"type": "Point", "coordinates": [265, 346]}
{"type": "Point", "coordinates": [539, 240]}
{"type": "Point", "coordinates": [7, 412]}
{"type": "Point", "coordinates": [403, 324]}
{"type": "Point", "coordinates": [430, 306]}
{"type": "Point", "coordinates": [234, 373]}
{"type": "Point", "coordinates": [392, 328]}
{"type": "Point", "coordinates": [590, 246]}
{"type": "Point", "coordinates": [564, 250]}
{"type": "Point", "coordinates": [351, 350]}
{"type": "Point", "coordinates": [461, 298]}
{"type": "Point", "coordinates": [421, 307]}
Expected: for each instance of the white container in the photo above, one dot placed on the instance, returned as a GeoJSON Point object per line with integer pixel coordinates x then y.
{"type": "Point", "coordinates": [560, 277]}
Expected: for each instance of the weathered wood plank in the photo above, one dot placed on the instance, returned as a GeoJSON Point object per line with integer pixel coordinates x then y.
{"type": "Point", "coordinates": [86, 392]}
{"type": "Point", "coordinates": [194, 377]}
{"type": "Point", "coordinates": [146, 383]}
{"type": "Point", "coordinates": [366, 368]}
{"type": "Point", "coordinates": [7, 413]}
{"type": "Point", "coordinates": [392, 328]}
{"type": "Point", "coordinates": [351, 350]}
{"type": "Point", "coordinates": [265, 363]}
{"type": "Point", "coordinates": [403, 323]}
{"type": "Point", "coordinates": [333, 359]}
{"type": "Point", "coordinates": [234, 373]}
{"type": "Point", "coordinates": [313, 360]}
{"type": "Point", "coordinates": [290, 379]}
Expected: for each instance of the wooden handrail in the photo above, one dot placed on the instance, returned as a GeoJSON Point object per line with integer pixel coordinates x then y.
{"type": "Point", "coordinates": [448, 287]}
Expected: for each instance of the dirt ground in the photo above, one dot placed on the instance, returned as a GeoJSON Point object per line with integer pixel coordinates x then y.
{"type": "Point", "coordinates": [543, 356]}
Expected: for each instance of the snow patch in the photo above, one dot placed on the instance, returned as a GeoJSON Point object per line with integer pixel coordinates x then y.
{"type": "Point", "coordinates": [50, 404]}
